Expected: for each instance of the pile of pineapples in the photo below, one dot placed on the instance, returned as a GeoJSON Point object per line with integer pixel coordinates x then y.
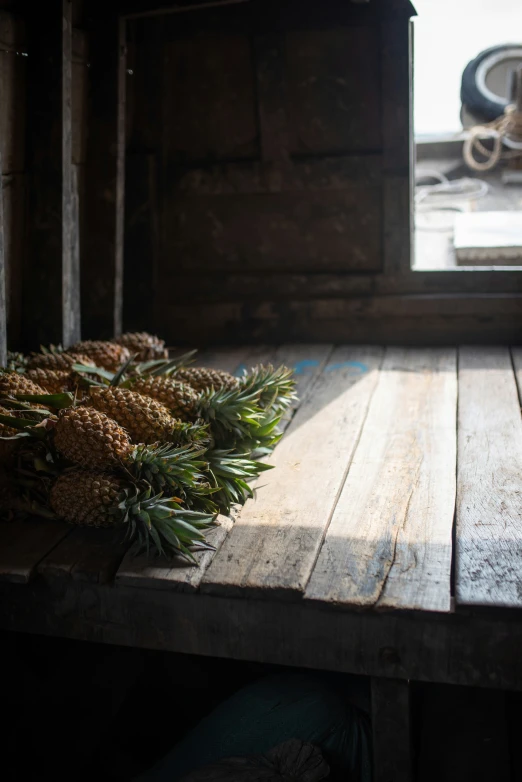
{"type": "Point", "coordinates": [117, 433]}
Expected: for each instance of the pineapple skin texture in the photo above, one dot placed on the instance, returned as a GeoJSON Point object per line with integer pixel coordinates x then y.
{"type": "Point", "coordinates": [85, 497]}
{"type": "Point", "coordinates": [91, 439]}
{"type": "Point", "coordinates": [108, 355]}
{"type": "Point", "coordinates": [57, 361]}
{"type": "Point", "coordinates": [179, 398]}
{"type": "Point", "coordinates": [146, 420]}
{"type": "Point", "coordinates": [200, 379]}
{"type": "Point", "coordinates": [147, 346]}
{"type": "Point", "coordinates": [14, 383]}
{"type": "Point", "coordinates": [53, 381]}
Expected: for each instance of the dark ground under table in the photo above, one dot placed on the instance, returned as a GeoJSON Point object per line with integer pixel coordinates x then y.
{"type": "Point", "coordinates": [387, 542]}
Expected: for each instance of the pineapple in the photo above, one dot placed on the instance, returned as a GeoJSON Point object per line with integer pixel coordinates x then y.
{"type": "Point", "coordinates": [7, 447]}
{"type": "Point", "coordinates": [90, 438]}
{"type": "Point", "coordinates": [97, 499]}
{"type": "Point", "coordinates": [200, 378]}
{"type": "Point", "coordinates": [53, 381]}
{"type": "Point", "coordinates": [57, 362]}
{"type": "Point", "coordinates": [146, 420]}
{"type": "Point", "coordinates": [12, 383]}
{"type": "Point", "coordinates": [234, 417]}
{"type": "Point", "coordinates": [104, 354]}
{"type": "Point", "coordinates": [276, 387]}
{"type": "Point", "coordinates": [179, 398]}
{"type": "Point", "coordinates": [147, 346]}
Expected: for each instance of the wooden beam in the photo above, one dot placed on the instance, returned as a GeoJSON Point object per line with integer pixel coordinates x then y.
{"type": "Point", "coordinates": [397, 140]}
{"type": "Point", "coordinates": [392, 751]}
{"type": "Point", "coordinates": [3, 301]}
{"type": "Point", "coordinates": [102, 245]}
{"type": "Point", "coordinates": [50, 298]}
{"type": "Point", "coordinates": [472, 650]}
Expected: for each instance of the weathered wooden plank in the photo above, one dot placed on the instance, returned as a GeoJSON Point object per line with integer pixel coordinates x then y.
{"type": "Point", "coordinates": [12, 88]}
{"type": "Point", "coordinates": [102, 244]}
{"type": "Point", "coordinates": [91, 555]}
{"type": "Point", "coordinates": [327, 173]}
{"type": "Point", "coordinates": [24, 544]}
{"type": "Point", "coordinates": [331, 112]}
{"type": "Point", "coordinates": [209, 109]}
{"type": "Point", "coordinates": [308, 361]}
{"type": "Point", "coordinates": [49, 263]}
{"type": "Point", "coordinates": [178, 575]}
{"type": "Point", "coordinates": [259, 286]}
{"type": "Point", "coordinates": [389, 543]}
{"type": "Point", "coordinates": [436, 319]}
{"type": "Point", "coordinates": [391, 728]}
{"type": "Point", "coordinates": [274, 544]}
{"type": "Point", "coordinates": [301, 231]}
{"type": "Point", "coordinates": [489, 499]}
{"type": "Point", "coordinates": [455, 648]}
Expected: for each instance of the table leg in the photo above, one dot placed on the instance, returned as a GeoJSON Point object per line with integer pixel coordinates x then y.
{"type": "Point", "coordinates": [392, 750]}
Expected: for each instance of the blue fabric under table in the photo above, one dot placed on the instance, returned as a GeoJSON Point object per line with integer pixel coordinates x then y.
{"type": "Point", "coordinates": [274, 709]}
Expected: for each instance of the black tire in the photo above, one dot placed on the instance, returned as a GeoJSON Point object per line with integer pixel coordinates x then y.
{"type": "Point", "coordinates": [470, 93]}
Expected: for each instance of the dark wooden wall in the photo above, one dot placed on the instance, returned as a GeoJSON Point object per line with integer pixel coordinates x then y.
{"type": "Point", "coordinates": [259, 154]}
{"type": "Point", "coordinates": [268, 147]}
{"type": "Point", "coordinates": [269, 183]}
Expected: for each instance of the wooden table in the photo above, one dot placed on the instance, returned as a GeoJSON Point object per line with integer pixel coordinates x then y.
{"type": "Point", "coordinates": [387, 541]}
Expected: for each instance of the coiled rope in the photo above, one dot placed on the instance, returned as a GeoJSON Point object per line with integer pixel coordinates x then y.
{"type": "Point", "coordinates": [505, 131]}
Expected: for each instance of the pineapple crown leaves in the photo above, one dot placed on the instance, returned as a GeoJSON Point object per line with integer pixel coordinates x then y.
{"type": "Point", "coordinates": [232, 414]}
{"type": "Point", "coordinates": [165, 465]}
{"type": "Point", "coordinates": [163, 524]}
{"type": "Point", "coordinates": [230, 473]}
{"type": "Point", "coordinates": [276, 387]}
{"type": "Point", "coordinates": [28, 427]}
{"type": "Point", "coordinates": [195, 434]}
{"type": "Point", "coordinates": [129, 370]}
{"type": "Point", "coordinates": [167, 366]}
{"type": "Point", "coordinates": [262, 438]}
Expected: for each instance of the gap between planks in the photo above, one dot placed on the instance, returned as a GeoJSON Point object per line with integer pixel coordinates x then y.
{"type": "Point", "coordinates": [389, 543]}
{"type": "Point", "coordinates": [488, 564]}
{"type": "Point", "coordinates": [178, 575]}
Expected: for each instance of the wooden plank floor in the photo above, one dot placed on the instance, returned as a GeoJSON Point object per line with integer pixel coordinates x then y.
{"type": "Point", "coordinates": [395, 465]}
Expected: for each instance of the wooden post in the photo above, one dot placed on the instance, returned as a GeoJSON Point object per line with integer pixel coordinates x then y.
{"type": "Point", "coordinates": [3, 302]}
{"type": "Point", "coordinates": [391, 731]}
{"type": "Point", "coordinates": [397, 140]}
{"type": "Point", "coordinates": [50, 299]}
{"type": "Point", "coordinates": [102, 244]}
